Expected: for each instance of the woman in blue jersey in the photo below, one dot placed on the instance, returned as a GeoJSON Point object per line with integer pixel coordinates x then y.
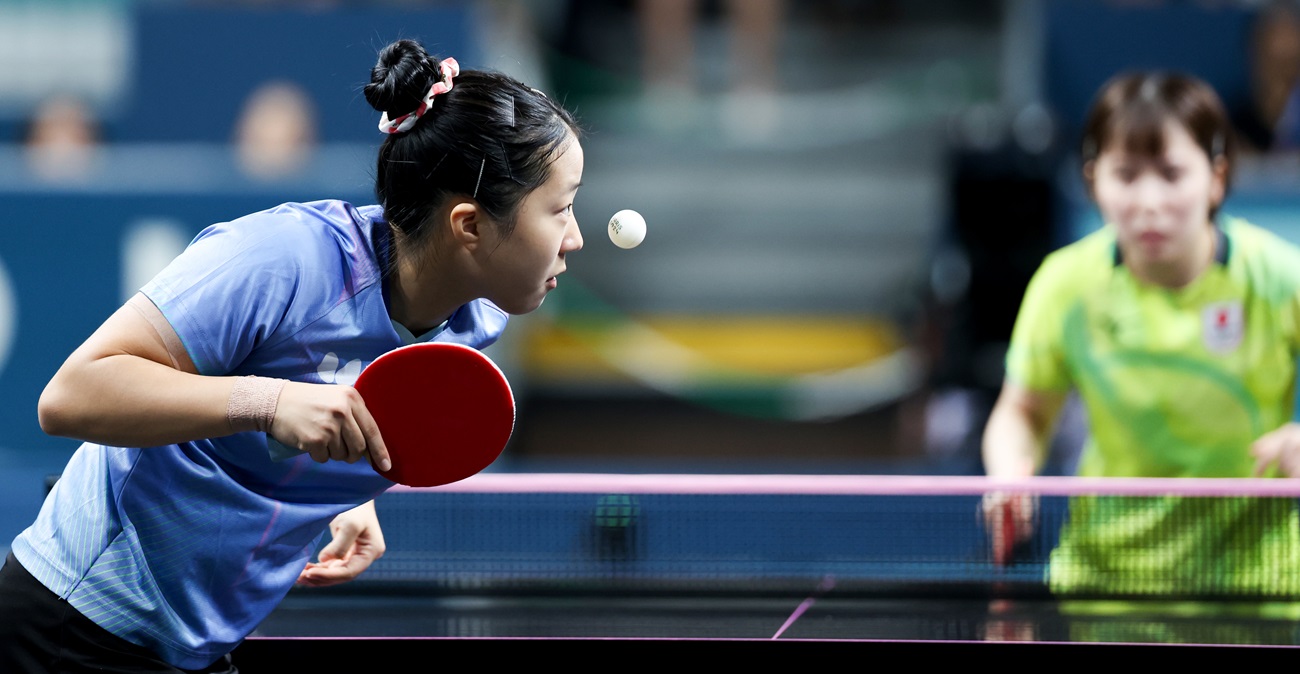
{"type": "Point", "coordinates": [176, 527]}
{"type": "Point", "coordinates": [1179, 328]}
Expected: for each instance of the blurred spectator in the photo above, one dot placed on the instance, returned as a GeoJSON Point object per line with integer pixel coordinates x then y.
{"type": "Point", "coordinates": [276, 131]}
{"type": "Point", "coordinates": [1272, 121]}
{"type": "Point", "coordinates": [670, 67]}
{"type": "Point", "coordinates": [62, 139]}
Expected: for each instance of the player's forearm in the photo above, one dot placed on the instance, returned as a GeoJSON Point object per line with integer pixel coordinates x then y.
{"type": "Point", "coordinates": [127, 401]}
{"type": "Point", "coordinates": [1008, 458]}
{"type": "Point", "coordinates": [1012, 444]}
{"type": "Point", "coordinates": [1018, 430]}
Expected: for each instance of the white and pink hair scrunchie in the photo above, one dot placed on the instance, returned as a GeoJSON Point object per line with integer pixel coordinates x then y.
{"type": "Point", "coordinates": [450, 69]}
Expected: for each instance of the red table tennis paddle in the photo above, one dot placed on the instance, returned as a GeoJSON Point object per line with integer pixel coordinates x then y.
{"type": "Point", "coordinates": [445, 411]}
{"type": "Point", "coordinates": [1010, 520]}
{"type": "Point", "coordinates": [1004, 532]}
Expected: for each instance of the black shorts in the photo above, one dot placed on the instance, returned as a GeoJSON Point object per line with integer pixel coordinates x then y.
{"type": "Point", "coordinates": [42, 634]}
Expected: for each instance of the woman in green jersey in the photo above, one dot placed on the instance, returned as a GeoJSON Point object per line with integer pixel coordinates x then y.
{"type": "Point", "coordinates": [1178, 327]}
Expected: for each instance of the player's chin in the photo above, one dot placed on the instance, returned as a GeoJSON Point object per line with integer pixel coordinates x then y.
{"type": "Point", "coordinates": [526, 304]}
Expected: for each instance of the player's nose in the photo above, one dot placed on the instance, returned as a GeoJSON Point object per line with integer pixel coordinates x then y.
{"type": "Point", "coordinates": [1149, 191]}
{"type": "Point", "coordinates": [572, 237]}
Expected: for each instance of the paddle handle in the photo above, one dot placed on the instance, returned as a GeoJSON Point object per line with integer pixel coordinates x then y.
{"type": "Point", "coordinates": [280, 451]}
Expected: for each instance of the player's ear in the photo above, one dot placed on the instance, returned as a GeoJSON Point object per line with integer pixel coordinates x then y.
{"type": "Point", "coordinates": [1219, 182]}
{"type": "Point", "coordinates": [1089, 173]}
{"type": "Point", "coordinates": [466, 222]}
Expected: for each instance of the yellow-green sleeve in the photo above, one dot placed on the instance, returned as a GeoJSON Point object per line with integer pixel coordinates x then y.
{"type": "Point", "coordinates": [1036, 355]}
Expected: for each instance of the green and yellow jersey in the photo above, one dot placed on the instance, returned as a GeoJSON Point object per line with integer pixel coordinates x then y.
{"type": "Point", "coordinates": [1176, 383]}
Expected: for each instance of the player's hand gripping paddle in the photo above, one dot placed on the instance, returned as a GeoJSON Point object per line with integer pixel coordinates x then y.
{"type": "Point", "coordinates": [445, 411]}
{"type": "Point", "coordinates": [1009, 520]}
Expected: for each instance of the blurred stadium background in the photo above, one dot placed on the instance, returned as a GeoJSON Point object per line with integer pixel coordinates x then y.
{"type": "Point", "coordinates": [831, 270]}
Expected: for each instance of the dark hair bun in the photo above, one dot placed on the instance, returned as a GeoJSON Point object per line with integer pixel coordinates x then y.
{"type": "Point", "coordinates": [401, 78]}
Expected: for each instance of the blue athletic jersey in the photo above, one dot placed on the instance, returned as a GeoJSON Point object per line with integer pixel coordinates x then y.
{"type": "Point", "coordinates": [186, 548]}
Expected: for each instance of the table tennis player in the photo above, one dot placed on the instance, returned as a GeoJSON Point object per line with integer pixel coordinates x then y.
{"type": "Point", "coordinates": [172, 532]}
{"type": "Point", "coordinates": [1178, 327]}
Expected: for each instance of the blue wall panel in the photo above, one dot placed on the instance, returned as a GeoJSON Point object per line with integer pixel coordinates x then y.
{"type": "Point", "coordinates": [196, 65]}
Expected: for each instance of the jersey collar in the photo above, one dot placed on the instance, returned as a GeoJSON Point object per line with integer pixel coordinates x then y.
{"type": "Point", "coordinates": [1222, 248]}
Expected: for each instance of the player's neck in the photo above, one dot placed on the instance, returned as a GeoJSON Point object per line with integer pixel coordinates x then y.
{"type": "Point", "coordinates": [1180, 272]}
{"type": "Point", "coordinates": [421, 298]}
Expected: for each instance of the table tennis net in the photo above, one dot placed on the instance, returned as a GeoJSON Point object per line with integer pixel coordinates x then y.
{"type": "Point", "coordinates": [900, 535]}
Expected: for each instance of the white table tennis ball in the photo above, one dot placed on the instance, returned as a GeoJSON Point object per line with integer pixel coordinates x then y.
{"type": "Point", "coordinates": [627, 229]}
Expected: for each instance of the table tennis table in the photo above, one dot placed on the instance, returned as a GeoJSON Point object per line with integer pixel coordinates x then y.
{"type": "Point", "coordinates": [759, 569]}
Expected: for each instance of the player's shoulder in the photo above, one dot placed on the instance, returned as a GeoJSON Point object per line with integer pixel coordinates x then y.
{"type": "Point", "coordinates": [308, 219]}
{"type": "Point", "coordinates": [1263, 255]}
{"type": "Point", "coordinates": [304, 230]}
{"type": "Point", "coordinates": [1087, 258]}
{"type": "Point", "coordinates": [1253, 240]}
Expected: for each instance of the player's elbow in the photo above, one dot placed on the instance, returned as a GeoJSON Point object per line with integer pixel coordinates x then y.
{"type": "Point", "coordinates": [56, 410]}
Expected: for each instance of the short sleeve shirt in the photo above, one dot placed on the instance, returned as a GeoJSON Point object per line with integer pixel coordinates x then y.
{"type": "Point", "coordinates": [1176, 383]}
{"type": "Point", "coordinates": [186, 548]}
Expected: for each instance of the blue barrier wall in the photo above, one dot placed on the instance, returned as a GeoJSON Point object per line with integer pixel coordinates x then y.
{"type": "Point", "coordinates": [187, 68]}
{"type": "Point", "coordinates": [196, 65]}
{"type": "Point", "coordinates": [1086, 42]}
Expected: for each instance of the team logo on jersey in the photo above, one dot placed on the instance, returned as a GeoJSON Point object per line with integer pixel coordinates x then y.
{"type": "Point", "coordinates": [1223, 326]}
{"type": "Point", "coordinates": [331, 371]}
